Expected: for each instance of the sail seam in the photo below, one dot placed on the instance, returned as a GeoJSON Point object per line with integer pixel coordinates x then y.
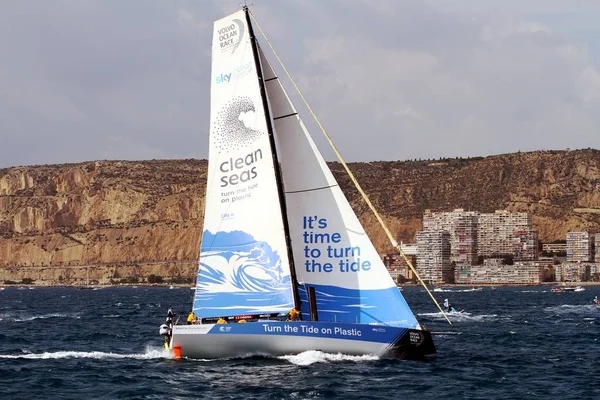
{"type": "Point", "coordinates": [285, 116]}
{"type": "Point", "coordinates": [311, 190]}
{"type": "Point", "coordinates": [270, 79]}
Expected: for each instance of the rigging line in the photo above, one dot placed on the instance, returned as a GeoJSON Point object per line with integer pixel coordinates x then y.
{"type": "Point", "coordinates": [351, 175]}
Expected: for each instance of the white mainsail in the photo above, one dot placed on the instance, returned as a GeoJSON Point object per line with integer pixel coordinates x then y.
{"type": "Point", "coordinates": [244, 266]}
{"type": "Point", "coordinates": [332, 252]}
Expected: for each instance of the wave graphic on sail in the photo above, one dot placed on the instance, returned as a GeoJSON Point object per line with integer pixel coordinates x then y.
{"type": "Point", "coordinates": [240, 275]}
{"type": "Point", "coordinates": [231, 133]}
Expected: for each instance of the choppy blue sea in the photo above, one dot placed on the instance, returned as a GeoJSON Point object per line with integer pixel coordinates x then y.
{"type": "Point", "coordinates": [514, 343]}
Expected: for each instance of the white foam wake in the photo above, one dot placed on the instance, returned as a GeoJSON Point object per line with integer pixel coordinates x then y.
{"type": "Point", "coordinates": [459, 316]}
{"type": "Point", "coordinates": [42, 316]}
{"type": "Point", "coordinates": [314, 356]}
{"type": "Point", "coordinates": [149, 354]}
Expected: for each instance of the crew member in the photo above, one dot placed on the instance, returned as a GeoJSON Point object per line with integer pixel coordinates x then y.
{"type": "Point", "coordinates": [293, 315]}
{"type": "Point", "coordinates": [449, 307]}
{"type": "Point", "coordinates": [221, 321]}
{"type": "Point", "coordinates": [165, 331]}
{"type": "Point", "coordinates": [191, 318]}
{"type": "Point", "coordinates": [169, 319]}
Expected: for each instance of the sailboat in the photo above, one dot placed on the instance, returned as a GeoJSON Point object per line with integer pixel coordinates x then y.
{"type": "Point", "coordinates": [285, 265]}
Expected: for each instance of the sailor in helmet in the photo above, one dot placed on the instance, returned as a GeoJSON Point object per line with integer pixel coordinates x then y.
{"type": "Point", "coordinates": [165, 331]}
{"type": "Point", "coordinates": [169, 320]}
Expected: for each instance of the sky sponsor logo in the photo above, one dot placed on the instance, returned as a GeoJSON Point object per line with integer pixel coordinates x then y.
{"type": "Point", "coordinates": [237, 73]}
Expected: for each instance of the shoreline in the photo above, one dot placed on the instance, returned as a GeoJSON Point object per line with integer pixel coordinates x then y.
{"type": "Point", "coordinates": [405, 285]}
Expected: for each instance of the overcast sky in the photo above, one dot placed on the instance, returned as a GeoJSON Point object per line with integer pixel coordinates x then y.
{"type": "Point", "coordinates": [85, 80]}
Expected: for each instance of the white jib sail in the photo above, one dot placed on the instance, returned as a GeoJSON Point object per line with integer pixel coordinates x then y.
{"type": "Point", "coordinates": [332, 252]}
{"type": "Point", "coordinates": [244, 267]}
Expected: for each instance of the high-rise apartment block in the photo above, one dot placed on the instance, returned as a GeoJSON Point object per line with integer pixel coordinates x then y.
{"type": "Point", "coordinates": [474, 234]}
{"type": "Point", "coordinates": [579, 246]}
{"type": "Point", "coordinates": [525, 245]}
{"type": "Point", "coordinates": [462, 227]}
{"type": "Point", "coordinates": [433, 259]}
{"type": "Point", "coordinates": [463, 247]}
{"type": "Point", "coordinates": [504, 232]}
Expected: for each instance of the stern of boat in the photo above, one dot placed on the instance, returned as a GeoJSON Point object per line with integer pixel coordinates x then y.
{"type": "Point", "coordinates": [413, 344]}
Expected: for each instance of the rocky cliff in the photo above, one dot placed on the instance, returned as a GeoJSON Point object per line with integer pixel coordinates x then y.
{"type": "Point", "coordinates": [123, 221]}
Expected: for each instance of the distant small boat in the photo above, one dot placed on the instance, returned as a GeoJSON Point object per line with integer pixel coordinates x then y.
{"type": "Point", "coordinates": [567, 289]}
{"type": "Point", "coordinates": [573, 289]}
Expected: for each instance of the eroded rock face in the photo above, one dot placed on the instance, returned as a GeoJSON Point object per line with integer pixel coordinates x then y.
{"type": "Point", "coordinates": [125, 219]}
{"type": "Point", "coordinates": [102, 214]}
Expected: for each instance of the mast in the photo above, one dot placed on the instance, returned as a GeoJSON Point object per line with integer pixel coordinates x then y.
{"type": "Point", "coordinates": [278, 176]}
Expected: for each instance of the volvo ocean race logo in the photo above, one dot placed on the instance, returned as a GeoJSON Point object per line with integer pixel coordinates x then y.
{"type": "Point", "coordinates": [231, 36]}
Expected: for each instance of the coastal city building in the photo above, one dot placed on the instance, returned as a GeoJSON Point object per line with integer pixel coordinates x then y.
{"type": "Point", "coordinates": [579, 246]}
{"type": "Point", "coordinates": [463, 246]}
{"type": "Point", "coordinates": [597, 247]}
{"type": "Point", "coordinates": [453, 245]}
{"type": "Point", "coordinates": [506, 233]}
{"type": "Point", "coordinates": [555, 248]}
{"type": "Point", "coordinates": [474, 234]}
{"type": "Point", "coordinates": [573, 272]}
{"type": "Point", "coordinates": [433, 258]}
{"type": "Point", "coordinates": [525, 245]}
{"type": "Point", "coordinates": [398, 267]}
{"type": "Point", "coordinates": [462, 227]}
{"type": "Point", "coordinates": [493, 271]}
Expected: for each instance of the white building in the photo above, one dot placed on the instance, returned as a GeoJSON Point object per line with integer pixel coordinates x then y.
{"type": "Point", "coordinates": [579, 246]}
{"type": "Point", "coordinates": [433, 259]}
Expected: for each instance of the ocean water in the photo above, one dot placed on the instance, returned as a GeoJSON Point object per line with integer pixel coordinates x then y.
{"type": "Point", "coordinates": [513, 343]}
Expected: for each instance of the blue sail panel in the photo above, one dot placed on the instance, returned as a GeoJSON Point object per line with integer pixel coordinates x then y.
{"type": "Point", "coordinates": [377, 307]}
{"type": "Point", "coordinates": [239, 275]}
